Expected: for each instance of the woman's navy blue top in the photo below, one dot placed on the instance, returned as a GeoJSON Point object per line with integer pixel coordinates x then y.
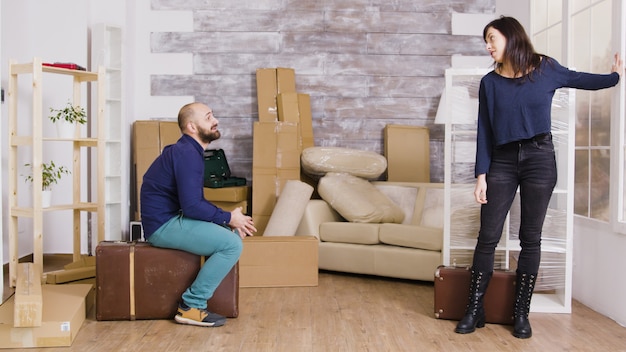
{"type": "Point", "coordinates": [173, 185]}
{"type": "Point", "coordinates": [512, 109]}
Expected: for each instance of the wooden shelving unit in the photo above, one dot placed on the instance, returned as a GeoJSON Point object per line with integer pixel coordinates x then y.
{"type": "Point", "coordinates": [37, 143]}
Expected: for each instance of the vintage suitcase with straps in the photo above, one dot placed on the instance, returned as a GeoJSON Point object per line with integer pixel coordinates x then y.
{"type": "Point", "coordinates": [135, 281]}
{"type": "Point", "coordinates": [452, 293]}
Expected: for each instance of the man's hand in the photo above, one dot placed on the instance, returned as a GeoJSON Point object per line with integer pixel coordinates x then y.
{"type": "Point", "coordinates": [241, 223]}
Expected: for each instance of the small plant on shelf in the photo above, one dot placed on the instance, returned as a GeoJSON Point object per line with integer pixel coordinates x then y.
{"type": "Point", "coordinates": [70, 113]}
{"type": "Point", "coordinates": [50, 174]}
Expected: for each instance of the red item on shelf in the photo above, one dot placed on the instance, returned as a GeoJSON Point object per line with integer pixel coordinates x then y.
{"type": "Point", "coordinates": [68, 65]}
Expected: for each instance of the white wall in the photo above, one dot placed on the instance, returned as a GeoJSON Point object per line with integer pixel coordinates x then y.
{"type": "Point", "coordinates": [25, 34]}
{"type": "Point", "coordinates": [599, 281]}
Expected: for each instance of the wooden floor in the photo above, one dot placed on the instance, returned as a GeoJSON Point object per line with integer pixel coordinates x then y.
{"type": "Point", "coordinates": [347, 313]}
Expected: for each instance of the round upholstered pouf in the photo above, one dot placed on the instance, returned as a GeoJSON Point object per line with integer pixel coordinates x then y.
{"type": "Point", "coordinates": [318, 161]}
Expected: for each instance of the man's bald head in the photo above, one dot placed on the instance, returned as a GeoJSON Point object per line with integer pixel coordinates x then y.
{"type": "Point", "coordinates": [186, 114]}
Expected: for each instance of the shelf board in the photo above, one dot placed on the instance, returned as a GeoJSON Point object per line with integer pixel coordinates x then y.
{"type": "Point", "coordinates": [28, 211]}
{"type": "Point", "coordinates": [83, 142]}
{"type": "Point", "coordinates": [84, 76]}
{"type": "Point", "coordinates": [549, 303]}
{"type": "Point", "coordinates": [28, 140]}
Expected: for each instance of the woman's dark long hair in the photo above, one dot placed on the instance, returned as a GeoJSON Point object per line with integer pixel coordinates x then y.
{"type": "Point", "coordinates": [519, 50]}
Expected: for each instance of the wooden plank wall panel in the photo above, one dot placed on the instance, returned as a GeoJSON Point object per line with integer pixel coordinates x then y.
{"type": "Point", "coordinates": [365, 64]}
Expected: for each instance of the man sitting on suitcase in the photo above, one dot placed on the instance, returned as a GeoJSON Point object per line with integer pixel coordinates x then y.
{"type": "Point", "coordinates": [175, 214]}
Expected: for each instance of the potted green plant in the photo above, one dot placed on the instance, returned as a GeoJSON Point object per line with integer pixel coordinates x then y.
{"type": "Point", "coordinates": [50, 174]}
{"type": "Point", "coordinates": [67, 118]}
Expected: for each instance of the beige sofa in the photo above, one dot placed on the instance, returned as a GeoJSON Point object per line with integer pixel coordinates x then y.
{"type": "Point", "coordinates": [408, 250]}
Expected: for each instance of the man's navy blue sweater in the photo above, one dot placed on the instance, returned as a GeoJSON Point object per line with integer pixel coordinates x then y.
{"type": "Point", "coordinates": [173, 185]}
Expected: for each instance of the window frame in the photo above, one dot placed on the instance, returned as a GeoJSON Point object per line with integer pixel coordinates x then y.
{"type": "Point", "coordinates": [618, 127]}
{"type": "Point", "coordinates": [617, 144]}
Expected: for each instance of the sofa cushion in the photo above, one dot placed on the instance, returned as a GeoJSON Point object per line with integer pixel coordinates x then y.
{"type": "Point", "coordinates": [357, 200]}
{"type": "Point", "coordinates": [318, 161]}
{"type": "Point", "coordinates": [403, 196]}
{"type": "Point", "coordinates": [412, 236]}
{"type": "Point", "coordinates": [346, 232]}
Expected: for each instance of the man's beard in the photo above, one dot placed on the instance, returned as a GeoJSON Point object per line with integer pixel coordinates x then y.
{"type": "Point", "coordinates": [208, 135]}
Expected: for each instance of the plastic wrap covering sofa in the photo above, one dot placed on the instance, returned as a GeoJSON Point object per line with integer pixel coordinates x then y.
{"type": "Point", "coordinates": [411, 249]}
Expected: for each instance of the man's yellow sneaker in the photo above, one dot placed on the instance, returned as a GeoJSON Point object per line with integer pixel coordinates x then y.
{"type": "Point", "coordinates": [197, 316]}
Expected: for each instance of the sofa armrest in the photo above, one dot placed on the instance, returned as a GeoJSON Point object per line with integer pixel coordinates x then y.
{"type": "Point", "coordinates": [317, 211]}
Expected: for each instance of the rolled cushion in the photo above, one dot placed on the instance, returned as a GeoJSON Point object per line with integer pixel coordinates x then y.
{"type": "Point", "coordinates": [318, 161]}
{"type": "Point", "coordinates": [357, 200]}
{"type": "Point", "coordinates": [289, 209]}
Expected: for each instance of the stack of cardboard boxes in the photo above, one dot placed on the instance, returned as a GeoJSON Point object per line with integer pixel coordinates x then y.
{"type": "Point", "coordinates": [284, 129]}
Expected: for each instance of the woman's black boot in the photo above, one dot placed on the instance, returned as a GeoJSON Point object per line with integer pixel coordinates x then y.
{"type": "Point", "coordinates": [474, 313]}
{"type": "Point", "coordinates": [523, 293]}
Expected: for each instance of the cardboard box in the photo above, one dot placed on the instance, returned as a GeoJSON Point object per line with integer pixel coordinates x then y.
{"type": "Point", "coordinates": [169, 133]}
{"type": "Point", "coordinates": [90, 300]}
{"type": "Point", "coordinates": [275, 160]}
{"type": "Point", "coordinates": [226, 194]}
{"type": "Point", "coordinates": [266, 87]}
{"type": "Point", "coordinates": [62, 317]}
{"type": "Point", "coordinates": [276, 145]}
{"type": "Point", "coordinates": [269, 83]}
{"type": "Point", "coordinates": [306, 121]}
{"type": "Point", "coordinates": [296, 107]}
{"type": "Point", "coordinates": [260, 222]}
{"type": "Point", "coordinates": [285, 80]}
{"type": "Point", "coordinates": [407, 149]}
{"type": "Point", "coordinates": [149, 139]}
{"type": "Point", "coordinates": [287, 107]}
{"type": "Point", "coordinates": [28, 298]}
{"type": "Point", "coordinates": [268, 185]}
{"type": "Point", "coordinates": [230, 206]}
{"type": "Point", "coordinates": [279, 261]}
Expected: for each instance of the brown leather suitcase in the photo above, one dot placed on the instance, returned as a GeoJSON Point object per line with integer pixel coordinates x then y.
{"type": "Point", "coordinates": [452, 294]}
{"type": "Point", "coordinates": [135, 281]}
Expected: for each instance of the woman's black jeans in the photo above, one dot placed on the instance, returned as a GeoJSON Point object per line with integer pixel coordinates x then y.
{"type": "Point", "coordinates": [531, 165]}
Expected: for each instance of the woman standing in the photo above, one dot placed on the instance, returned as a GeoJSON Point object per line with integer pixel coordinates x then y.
{"type": "Point", "coordinates": [514, 149]}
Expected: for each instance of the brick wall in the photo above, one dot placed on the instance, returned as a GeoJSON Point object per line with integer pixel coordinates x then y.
{"type": "Point", "coordinates": [365, 63]}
